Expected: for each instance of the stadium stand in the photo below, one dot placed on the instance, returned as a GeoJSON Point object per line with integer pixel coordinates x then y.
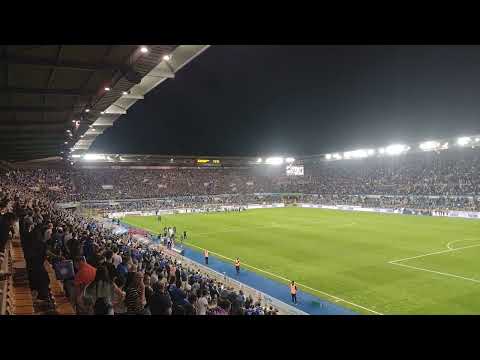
{"type": "Point", "coordinates": [58, 258]}
{"type": "Point", "coordinates": [119, 274]}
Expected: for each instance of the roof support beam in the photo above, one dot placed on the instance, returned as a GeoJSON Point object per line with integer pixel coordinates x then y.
{"type": "Point", "coordinates": [54, 92]}
{"type": "Point", "coordinates": [77, 66]}
{"type": "Point", "coordinates": [162, 74]}
{"type": "Point", "coordinates": [37, 108]}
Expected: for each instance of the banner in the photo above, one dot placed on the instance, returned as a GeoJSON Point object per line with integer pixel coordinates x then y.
{"type": "Point", "coordinates": [461, 214]}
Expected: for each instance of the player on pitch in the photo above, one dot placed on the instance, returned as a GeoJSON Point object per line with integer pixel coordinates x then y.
{"type": "Point", "coordinates": [206, 256]}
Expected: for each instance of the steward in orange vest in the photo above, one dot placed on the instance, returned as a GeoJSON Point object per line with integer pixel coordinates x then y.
{"type": "Point", "coordinates": [293, 292]}
{"type": "Point", "coordinates": [237, 266]}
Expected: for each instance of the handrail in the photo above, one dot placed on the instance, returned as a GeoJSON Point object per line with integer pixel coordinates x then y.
{"type": "Point", "coordinates": [283, 307]}
{"type": "Point", "coordinates": [5, 267]}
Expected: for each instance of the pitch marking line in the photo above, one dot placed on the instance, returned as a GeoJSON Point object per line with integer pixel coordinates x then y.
{"type": "Point", "coordinates": [449, 245]}
{"type": "Point", "coordinates": [433, 253]}
{"type": "Point", "coordinates": [288, 280]}
{"type": "Point", "coordinates": [338, 299]}
{"type": "Point", "coordinates": [450, 249]}
{"type": "Point", "coordinates": [437, 272]}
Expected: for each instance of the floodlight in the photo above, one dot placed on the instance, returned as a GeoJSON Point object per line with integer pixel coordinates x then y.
{"type": "Point", "coordinates": [125, 93]}
{"type": "Point", "coordinates": [93, 157]}
{"type": "Point", "coordinates": [65, 142]}
{"type": "Point", "coordinates": [328, 156]}
{"type": "Point", "coordinates": [396, 149]}
{"type": "Point", "coordinates": [144, 49]}
{"type": "Point", "coordinates": [107, 88]}
{"type": "Point", "coordinates": [355, 154]}
{"type": "Point", "coordinates": [167, 57]}
{"type": "Point", "coordinates": [337, 156]}
{"type": "Point", "coordinates": [87, 110]}
{"type": "Point", "coordinates": [289, 160]}
{"type": "Point", "coordinates": [477, 139]}
{"type": "Point", "coordinates": [76, 156]}
{"type": "Point", "coordinates": [274, 160]}
{"type": "Point", "coordinates": [102, 112]}
{"type": "Point", "coordinates": [370, 152]}
{"type": "Point", "coordinates": [259, 160]}
{"type": "Point", "coordinates": [381, 151]}
{"type": "Point", "coordinates": [429, 145]}
{"type": "Point", "coordinates": [465, 140]}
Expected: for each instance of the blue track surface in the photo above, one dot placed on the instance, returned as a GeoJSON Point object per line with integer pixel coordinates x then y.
{"type": "Point", "coordinates": [306, 302]}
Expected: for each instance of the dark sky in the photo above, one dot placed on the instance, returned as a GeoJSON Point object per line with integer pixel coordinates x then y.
{"type": "Point", "coordinates": [263, 100]}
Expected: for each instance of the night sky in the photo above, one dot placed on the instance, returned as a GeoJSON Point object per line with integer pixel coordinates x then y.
{"type": "Point", "coordinates": [295, 100]}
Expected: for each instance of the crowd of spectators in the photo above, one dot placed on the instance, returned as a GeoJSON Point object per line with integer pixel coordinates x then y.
{"type": "Point", "coordinates": [112, 274]}
{"type": "Point", "coordinates": [446, 180]}
{"type": "Point", "coordinates": [449, 173]}
{"type": "Point", "coordinates": [121, 275]}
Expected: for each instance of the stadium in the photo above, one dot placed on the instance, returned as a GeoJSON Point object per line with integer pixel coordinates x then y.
{"type": "Point", "coordinates": [392, 229]}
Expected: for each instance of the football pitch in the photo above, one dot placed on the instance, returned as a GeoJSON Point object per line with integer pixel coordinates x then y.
{"type": "Point", "coordinates": [370, 263]}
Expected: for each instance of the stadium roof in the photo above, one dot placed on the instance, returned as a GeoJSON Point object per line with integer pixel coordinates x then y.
{"type": "Point", "coordinates": [57, 97]}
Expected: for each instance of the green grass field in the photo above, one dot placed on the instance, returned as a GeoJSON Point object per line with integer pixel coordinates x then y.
{"type": "Point", "coordinates": [350, 254]}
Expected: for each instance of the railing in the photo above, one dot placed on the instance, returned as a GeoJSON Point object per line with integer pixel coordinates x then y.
{"type": "Point", "coordinates": [5, 268]}
{"type": "Point", "coordinates": [284, 308]}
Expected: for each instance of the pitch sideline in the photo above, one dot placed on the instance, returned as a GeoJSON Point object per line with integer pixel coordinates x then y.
{"type": "Point", "coordinates": [288, 280]}
{"type": "Point", "coordinates": [338, 299]}
{"type": "Point", "coordinates": [450, 249]}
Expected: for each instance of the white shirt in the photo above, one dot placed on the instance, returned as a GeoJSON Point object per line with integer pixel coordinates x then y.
{"type": "Point", "coordinates": [202, 306]}
{"type": "Point", "coordinates": [116, 259]}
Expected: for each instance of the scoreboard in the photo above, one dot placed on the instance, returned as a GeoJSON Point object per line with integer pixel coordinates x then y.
{"type": "Point", "coordinates": [294, 170]}
{"type": "Point", "coordinates": [208, 162]}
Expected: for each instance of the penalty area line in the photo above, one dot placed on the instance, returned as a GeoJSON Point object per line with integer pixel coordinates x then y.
{"type": "Point", "coordinates": [338, 299]}
{"type": "Point", "coordinates": [433, 253]}
{"type": "Point", "coordinates": [437, 272]}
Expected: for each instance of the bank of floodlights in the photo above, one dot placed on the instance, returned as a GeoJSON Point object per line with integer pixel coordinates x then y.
{"type": "Point", "coordinates": [358, 154]}
{"type": "Point", "coordinates": [464, 141]}
{"type": "Point", "coordinates": [396, 149]}
{"type": "Point", "coordinates": [275, 160]}
{"type": "Point", "coordinates": [93, 157]}
{"type": "Point", "coordinates": [430, 146]}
